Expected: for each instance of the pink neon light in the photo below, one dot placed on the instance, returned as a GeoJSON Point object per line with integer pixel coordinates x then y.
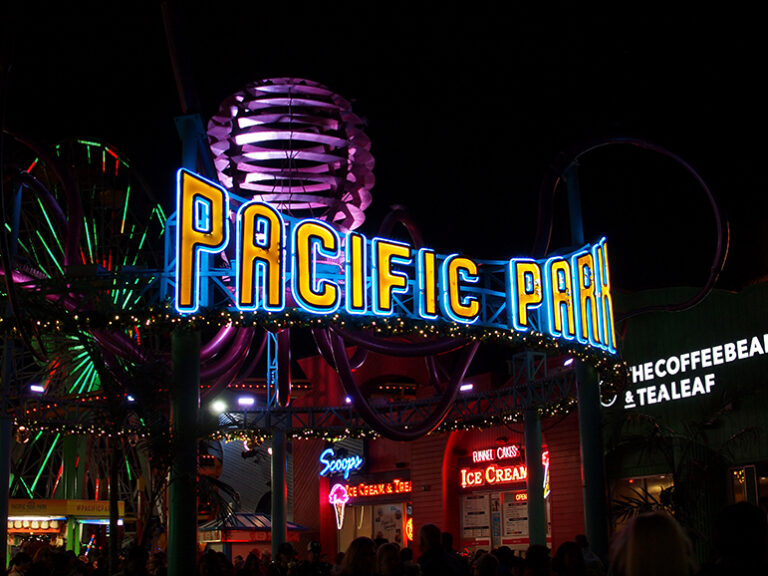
{"type": "Point", "coordinates": [338, 497]}
{"type": "Point", "coordinates": [297, 145]}
{"type": "Point", "coordinates": [499, 453]}
{"type": "Point", "coordinates": [492, 474]}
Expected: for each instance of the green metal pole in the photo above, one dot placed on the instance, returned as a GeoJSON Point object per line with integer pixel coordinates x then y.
{"type": "Point", "coordinates": [593, 476]}
{"type": "Point", "coordinates": [588, 391]}
{"type": "Point", "coordinates": [537, 524]}
{"type": "Point", "coordinates": [279, 490]}
{"type": "Point", "coordinates": [182, 488]}
{"type": "Point", "coordinates": [114, 534]}
{"type": "Point", "coordinates": [5, 480]}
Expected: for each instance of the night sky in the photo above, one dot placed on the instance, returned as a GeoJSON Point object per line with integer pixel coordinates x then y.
{"type": "Point", "coordinates": [466, 110]}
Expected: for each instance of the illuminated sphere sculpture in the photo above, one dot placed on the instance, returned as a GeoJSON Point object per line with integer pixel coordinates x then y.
{"type": "Point", "coordinates": [297, 145]}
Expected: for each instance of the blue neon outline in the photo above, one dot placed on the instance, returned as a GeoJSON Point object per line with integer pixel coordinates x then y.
{"type": "Point", "coordinates": [197, 249]}
{"type": "Point", "coordinates": [348, 274]}
{"type": "Point", "coordinates": [462, 278]}
{"type": "Point", "coordinates": [576, 289]}
{"type": "Point", "coordinates": [374, 274]}
{"type": "Point", "coordinates": [260, 271]}
{"type": "Point", "coordinates": [603, 271]}
{"type": "Point", "coordinates": [516, 292]}
{"type": "Point", "coordinates": [550, 302]}
{"type": "Point", "coordinates": [328, 463]}
{"type": "Point", "coordinates": [421, 286]}
{"type": "Point", "coordinates": [316, 249]}
{"type": "Point", "coordinates": [206, 205]}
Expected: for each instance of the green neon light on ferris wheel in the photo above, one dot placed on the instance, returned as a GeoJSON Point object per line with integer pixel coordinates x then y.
{"type": "Point", "coordinates": [50, 225]}
{"type": "Point", "coordinates": [88, 238]}
{"type": "Point", "coordinates": [47, 457]}
{"type": "Point", "coordinates": [125, 209]}
{"type": "Point", "coordinates": [50, 253]}
{"type": "Point", "coordinates": [29, 492]}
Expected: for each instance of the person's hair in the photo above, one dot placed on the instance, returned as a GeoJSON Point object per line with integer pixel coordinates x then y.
{"type": "Point", "coordinates": [740, 531]}
{"type": "Point", "coordinates": [406, 554]}
{"type": "Point", "coordinates": [651, 544]}
{"type": "Point", "coordinates": [360, 557]}
{"type": "Point", "coordinates": [446, 538]}
{"type": "Point", "coordinates": [21, 558]}
{"type": "Point", "coordinates": [388, 559]}
{"type": "Point", "coordinates": [286, 549]}
{"type": "Point", "coordinates": [568, 556]}
{"type": "Point", "coordinates": [486, 565]}
{"type": "Point", "coordinates": [429, 537]}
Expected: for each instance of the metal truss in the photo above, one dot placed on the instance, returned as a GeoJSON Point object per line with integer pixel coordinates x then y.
{"type": "Point", "coordinates": [337, 421]}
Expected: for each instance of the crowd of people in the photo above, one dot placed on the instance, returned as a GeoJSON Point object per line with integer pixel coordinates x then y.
{"type": "Point", "coordinates": [651, 544]}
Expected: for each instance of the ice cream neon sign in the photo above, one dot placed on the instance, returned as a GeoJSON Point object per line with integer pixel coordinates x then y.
{"type": "Point", "coordinates": [333, 465]}
{"type": "Point", "coordinates": [341, 494]}
{"type": "Point", "coordinates": [338, 497]}
{"type": "Point", "coordinates": [493, 474]}
{"type": "Point", "coordinates": [307, 265]}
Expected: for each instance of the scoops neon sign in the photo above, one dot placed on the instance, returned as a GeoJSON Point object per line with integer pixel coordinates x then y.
{"type": "Point", "coordinates": [333, 465]}
{"type": "Point", "coordinates": [279, 261]}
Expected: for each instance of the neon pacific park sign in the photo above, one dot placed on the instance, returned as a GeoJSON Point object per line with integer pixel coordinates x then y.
{"type": "Point", "coordinates": [288, 266]}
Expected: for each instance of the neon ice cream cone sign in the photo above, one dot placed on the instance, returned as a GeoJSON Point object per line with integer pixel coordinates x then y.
{"type": "Point", "coordinates": [338, 497]}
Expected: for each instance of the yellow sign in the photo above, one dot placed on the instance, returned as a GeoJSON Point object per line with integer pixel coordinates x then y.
{"type": "Point", "coordinates": [82, 508]}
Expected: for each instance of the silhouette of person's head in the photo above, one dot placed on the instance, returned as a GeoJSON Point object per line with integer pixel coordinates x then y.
{"type": "Point", "coordinates": [740, 532]}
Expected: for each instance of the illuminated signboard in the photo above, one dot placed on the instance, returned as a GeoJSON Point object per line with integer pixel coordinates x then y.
{"type": "Point", "coordinates": [276, 264]}
{"type": "Point", "coordinates": [495, 474]}
{"type": "Point", "coordinates": [499, 453]}
{"type": "Point", "coordinates": [688, 374]}
{"type": "Point", "coordinates": [366, 490]}
{"type": "Point", "coordinates": [338, 498]}
{"type": "Point", "coordinates": [344, 465]}
{"type": "Point", "coordinates": [492, 474]}
{"type": "Point", "coordinates": [340, 494]}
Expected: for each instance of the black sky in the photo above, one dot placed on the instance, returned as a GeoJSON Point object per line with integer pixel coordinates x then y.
{"type": "Point", "coordinates": [466, 109]}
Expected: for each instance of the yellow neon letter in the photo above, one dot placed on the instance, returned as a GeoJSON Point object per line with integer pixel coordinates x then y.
{"type": "Point", "coordinates": [201, 208]}
{"type": "Point", "coordinates": [385, 280]}
{"type": "Point", "coordinates": [584, 283]}
{"type": "Point", "coordinates": [559, 298]}
{"type": "Point", "coordinates": [607, 334]}
{"type": "Point", "coordinates": [356, 294]}
{"type": "Point", "coordinates": [260, 257]}
{"type": "Point", "coordinates": [460, 308]}
{"type": "Point", "coordinates": [528, 294]}
{"type": "Point", "coordinates": [426, 271]}
{"type": "Point", "coordinates": [310, 239]}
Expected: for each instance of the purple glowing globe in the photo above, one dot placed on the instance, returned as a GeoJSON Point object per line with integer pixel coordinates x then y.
{"type": "Point", "coordinates": [297, 145]}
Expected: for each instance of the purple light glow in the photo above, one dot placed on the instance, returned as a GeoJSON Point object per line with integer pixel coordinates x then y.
{"type": "Point", "coordinates": [246, 401]}
{"type": "Point", "coordinates": [297, 145]}
{"type": "Point", "coordinates": [39, 388]}
{"type": "Point", "coordinates": [466, 387]}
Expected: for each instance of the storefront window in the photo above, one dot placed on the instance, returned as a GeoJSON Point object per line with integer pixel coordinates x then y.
{"type": "Point", "coordinates": [378, 521]}
{"type": "Point", "coordinates": [633, 496]}
{"type": "Point", "coordinates": [744, 484]}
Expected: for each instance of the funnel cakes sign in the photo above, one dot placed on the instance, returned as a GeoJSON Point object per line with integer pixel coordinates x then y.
{"type": "Point", "coordinates": [264, 262]}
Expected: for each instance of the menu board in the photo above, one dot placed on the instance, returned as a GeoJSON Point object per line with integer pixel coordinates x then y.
{"type": "Point", "coordinates": [476, 519]}
{"type": "Point", "coordinates": [515, 516]}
